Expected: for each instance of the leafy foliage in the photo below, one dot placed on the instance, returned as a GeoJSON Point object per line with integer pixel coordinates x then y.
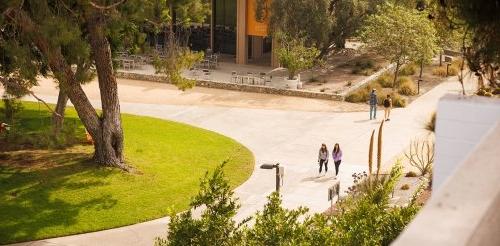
{"type": "Point", "coordinates": [276, 225]}
{"type": "Point", "coordinates": [177, 59]}
{"type": "Point", "coordinates": [216, 225]}
{"type": "Point", "coordinates": [307, 20]}
{"type": "Point", "coordinates": [480, 20]}
{"type": "Point", "coordinates": [364, 218]}
{"type": "Point", "coordinates": [294, 55]}
{"type": "Point", "coordinates": [400, 34]}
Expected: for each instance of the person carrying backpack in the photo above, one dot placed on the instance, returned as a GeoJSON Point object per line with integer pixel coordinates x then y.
{"type": "Point", "coordinates": [387, 107]}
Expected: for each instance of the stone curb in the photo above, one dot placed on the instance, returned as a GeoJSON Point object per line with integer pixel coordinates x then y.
{"type": "Point", "coordinates": [237, 87]}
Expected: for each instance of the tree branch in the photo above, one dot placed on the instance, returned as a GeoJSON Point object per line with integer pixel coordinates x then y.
{"type": "Point", "coordinates": [6, 82]}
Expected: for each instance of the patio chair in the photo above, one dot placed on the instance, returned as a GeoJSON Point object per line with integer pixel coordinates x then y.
{"type": "Point", "coordinates": [127, 64]}
{"type": "Point", "coordinates": [234, 77]}
{"type": "Point", "coordinates": [262, 77]}
{"type": "Point", "coordinates": [250, 77]}
{"type": "Point", "coordinates": [206, 74]}
{"type": "Point", "coordinates": [267, 80]}
{"type": "Point", "coordinates": [209, 52]}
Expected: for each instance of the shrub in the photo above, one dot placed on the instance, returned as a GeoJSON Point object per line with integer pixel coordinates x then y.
{"type": "Point", "coordinates": [354, 97]}
{"type": "Point", "coordinates": [409, 69]}
{"type": "Point", "coordinates": [457, 63]}
{"type": "Point", "coordinates": [411, 174]}
{"type": "Point", "coordinates": [362, 94]}
{"type": "Point", "coordinates": [405, 187]}
{"type": "Point", "coordinates": [421, 155]}
{"type": "Point", "coordinates": [398, 100]}
{"type": "Point", "coordinates": [356, 70]}
{"type": "Point", "coordinates": [364, 64]}
{"type": "Point", "coordinates": [431, 124]}
{"type": "Point", "coordinates": [385, 80]}
{"type": "Point", "coordinates": [439, 71]}
{"type": "Point", "coordinates": [453, 70]}
{"type": "Point", "coordinates": [407, 87]}
{"type": "Point", "coordinates": [403, 79]}
{"type": "Point", "coordinates": [12, 106]}
{"type": "Point", "coordinates": [364, 67]}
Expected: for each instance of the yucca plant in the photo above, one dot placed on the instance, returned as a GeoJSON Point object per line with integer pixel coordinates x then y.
{"type": "Point", "coordinates": [379, 148]}
{"type": "Point", "coordinates": [370, 154]}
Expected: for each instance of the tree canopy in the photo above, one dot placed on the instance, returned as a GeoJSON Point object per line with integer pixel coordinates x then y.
{"type": "Point", "coordinates": [400, 34]}
{"type": "Point", "coordinates": [480, 21]}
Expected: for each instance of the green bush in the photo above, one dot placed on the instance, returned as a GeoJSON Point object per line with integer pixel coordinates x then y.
{"type": "Point", "coordinates": [363, 218]}
{"type": "Point", "coordinates": [407, 87]}
{"type": "Point", "coordinates": [409, 69]}
{"type": "Point", "coordinates": [439, 71]}
{"type": "Point", "coordinates": [398, 100]}
{"type": "Point", "coordinates": [385, 80]}
{"type": "Point", "coordinates": [405, 187]}
{"type": "Point", "coordinates": [12, 106]}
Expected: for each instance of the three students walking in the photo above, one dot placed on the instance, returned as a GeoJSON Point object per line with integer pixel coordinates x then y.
{"type": "Point", "coordinates": [323, 157]}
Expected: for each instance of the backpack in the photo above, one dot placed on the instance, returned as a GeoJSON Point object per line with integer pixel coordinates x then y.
{"type": "Point", "coordinates": [387, 103]}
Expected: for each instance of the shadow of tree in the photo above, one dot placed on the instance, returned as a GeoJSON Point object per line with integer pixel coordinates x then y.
{"type": "Point", "coordinates": [28, 194]}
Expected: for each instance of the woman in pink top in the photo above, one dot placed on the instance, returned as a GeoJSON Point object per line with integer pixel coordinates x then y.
{"type": "Point", "coordinates": [337, 157]}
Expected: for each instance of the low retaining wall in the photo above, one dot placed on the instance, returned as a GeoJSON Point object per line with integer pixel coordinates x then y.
{"type": "Point", "coordinates": [368, 79]}
{"type": "Point", "coordinates": [238, 87]}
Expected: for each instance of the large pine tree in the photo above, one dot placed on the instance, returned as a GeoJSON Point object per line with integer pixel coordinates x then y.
{"type": "Point", "coordinates": [40, 36]}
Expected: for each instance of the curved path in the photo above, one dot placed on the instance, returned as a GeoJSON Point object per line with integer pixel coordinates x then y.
{"type": "Point", "coordinates": [275, 129]}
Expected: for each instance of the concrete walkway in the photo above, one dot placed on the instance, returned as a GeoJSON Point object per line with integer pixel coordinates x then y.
{"type": "Point", "coordinates": [289, 137]}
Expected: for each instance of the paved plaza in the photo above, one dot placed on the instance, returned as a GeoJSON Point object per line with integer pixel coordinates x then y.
{"type": "Point", "coordinates": [276, 129]}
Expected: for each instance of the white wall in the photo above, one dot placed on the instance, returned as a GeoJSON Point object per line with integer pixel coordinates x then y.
{"type": "Point", "coordinates": [461, 123]}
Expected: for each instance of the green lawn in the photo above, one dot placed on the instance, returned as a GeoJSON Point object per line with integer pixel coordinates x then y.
{"type": "Point", "coordinates": [49, 193]}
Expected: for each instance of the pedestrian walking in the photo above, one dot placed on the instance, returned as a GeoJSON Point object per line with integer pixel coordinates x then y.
{"type": "Point", "coordinates": [337, 158]}
{"type": "Point", "coordinates": [323, 158]}
{"type": "Point", "coordinates": [387, 107]}
{"type": "Point", "coordinates": [373, 104]}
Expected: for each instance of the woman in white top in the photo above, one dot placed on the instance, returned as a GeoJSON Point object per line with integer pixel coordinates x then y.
{"type": "Point", "coordinates": [323, 158]}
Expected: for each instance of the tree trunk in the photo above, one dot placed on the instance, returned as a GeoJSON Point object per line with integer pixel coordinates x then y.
{"type": "Point", "coordinates": [58, 115]}
{"type": "Point", "coordinates": [107, 133]}
{"type": "Point", "coordinates": [108, 140]}
{"type": "Point", "coordinates": [395, 75]}
{"type": "Point", "coordinates": [421, 69]}
{"type": "Point", "coordinates": [440, 58]}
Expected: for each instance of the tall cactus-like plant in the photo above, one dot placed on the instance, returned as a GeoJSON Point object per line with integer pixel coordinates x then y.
{"type": "Point", "coordinates": [370, 154]}
{"type": "Point", "coordinates": [379, 148]}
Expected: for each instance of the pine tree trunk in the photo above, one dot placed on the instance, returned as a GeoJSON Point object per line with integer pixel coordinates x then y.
{"type": "Point", "coordinates": [58, 115]}
{"type": "Point", "coordinates": [106, 131]}
{"type": "Point", "coordinates": [108, 140]}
